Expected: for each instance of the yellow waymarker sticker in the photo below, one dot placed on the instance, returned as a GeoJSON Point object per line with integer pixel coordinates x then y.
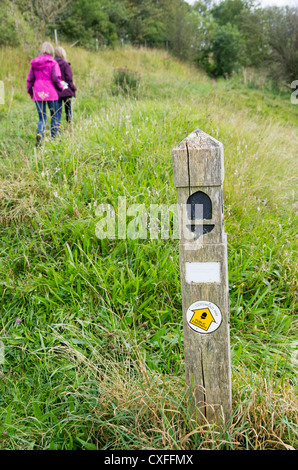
{"type": "Point", "coordinates": [202, 318]}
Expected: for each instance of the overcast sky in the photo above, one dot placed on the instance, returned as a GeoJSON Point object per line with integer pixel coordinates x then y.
{"type": "Point", "coordinates": [266, 3]}
{"type": "Point", "coordinates": [279, 3]}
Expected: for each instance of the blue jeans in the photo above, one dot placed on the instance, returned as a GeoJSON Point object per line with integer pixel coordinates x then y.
{"type": "Point", "coordinates": [41, 107]}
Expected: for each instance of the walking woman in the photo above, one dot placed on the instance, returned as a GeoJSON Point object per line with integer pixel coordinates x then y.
{"type": "Point", "coordinates": [66, 95]}
{"type": "Point", "coordinates": [43, 82]}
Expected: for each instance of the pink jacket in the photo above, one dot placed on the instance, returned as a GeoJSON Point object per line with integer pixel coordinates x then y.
{"type": "Point", "coordinates": [44, 79]}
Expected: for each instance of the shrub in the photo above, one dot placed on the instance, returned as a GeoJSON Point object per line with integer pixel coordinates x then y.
{"type": "Point", "coordinates": [228, 50]}
{"type": "Point", "coordinates": [125, 81]}
{"type": "Point", "coordinates": [8, 34]}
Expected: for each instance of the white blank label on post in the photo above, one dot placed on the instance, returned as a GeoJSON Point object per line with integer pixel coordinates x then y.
{"type": "Point", "coordinates": [202, 272]}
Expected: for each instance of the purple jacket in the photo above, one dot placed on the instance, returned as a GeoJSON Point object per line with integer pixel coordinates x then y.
{"type": "Point", "coordinates": [66, 74]}
{"type": "Point", "coordinates": [44, 79]}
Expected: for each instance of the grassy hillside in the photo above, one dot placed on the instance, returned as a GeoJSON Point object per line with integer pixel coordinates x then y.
{"type": "Point", "coordinates": [92, 329]}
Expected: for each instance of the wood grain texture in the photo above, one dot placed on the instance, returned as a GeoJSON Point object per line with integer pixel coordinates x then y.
{"type": "Point", "coordinates": [198, 166]}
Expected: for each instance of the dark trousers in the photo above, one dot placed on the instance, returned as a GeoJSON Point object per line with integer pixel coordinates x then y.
{"type": "Point", "coordinates": [41, 107]}
{"type": "Point", "coordinates": [67, 107]}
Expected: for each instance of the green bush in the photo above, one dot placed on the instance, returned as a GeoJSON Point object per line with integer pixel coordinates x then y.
{"type": "Point", "coordinates": [228, 50]}
{"type": "Point", "coordinates": [125, 81]}
{"type": "Point", "coordinates": [8, 34]}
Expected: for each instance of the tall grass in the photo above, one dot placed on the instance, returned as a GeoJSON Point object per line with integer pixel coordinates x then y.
{"type": "Point", "coordinates": [92, 329]}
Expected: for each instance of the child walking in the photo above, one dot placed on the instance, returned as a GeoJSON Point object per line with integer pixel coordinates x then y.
{"type": "Point", "coordinates": [65, 95]}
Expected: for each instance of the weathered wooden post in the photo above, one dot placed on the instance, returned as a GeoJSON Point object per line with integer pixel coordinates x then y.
{"type": "Point", "coordinates": [2, 101]}
{"type": "Point", "coordinates": [198, 169]}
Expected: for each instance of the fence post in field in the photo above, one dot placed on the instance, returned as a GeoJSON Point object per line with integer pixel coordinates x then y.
{"type": "Point", "coordinates": [56, 37]}
{"type": "Point", "coordinates": [198, 169]}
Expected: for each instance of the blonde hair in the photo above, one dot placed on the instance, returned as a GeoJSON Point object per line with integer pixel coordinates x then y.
{"type": "Point", "coordinates": [47, 48]}
{"type": "Point", "coordinates": [60, 52]}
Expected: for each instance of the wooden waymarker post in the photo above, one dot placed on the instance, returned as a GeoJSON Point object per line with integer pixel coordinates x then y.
{"type": "Point", "coordinates": [198, 169]}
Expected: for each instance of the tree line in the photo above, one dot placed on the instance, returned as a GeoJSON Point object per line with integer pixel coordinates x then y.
{"type": "Point", "coordinates": [220, 37]}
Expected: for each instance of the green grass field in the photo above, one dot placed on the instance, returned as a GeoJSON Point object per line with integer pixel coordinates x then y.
{"type": "Point", "coordinates": [92, 329]}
